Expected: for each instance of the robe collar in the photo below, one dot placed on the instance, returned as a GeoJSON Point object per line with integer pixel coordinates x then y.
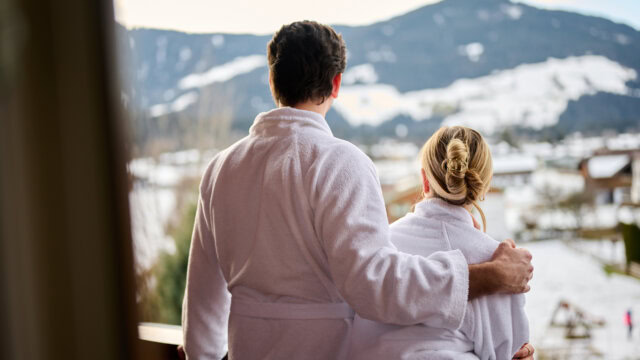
{"type": "Point", "coordinates": [435, 208]}
{"type": "Point", "coordinates": [289, 117]}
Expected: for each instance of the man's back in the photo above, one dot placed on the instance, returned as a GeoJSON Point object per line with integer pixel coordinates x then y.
{"type": "Point", "coordinates": [258, 192]}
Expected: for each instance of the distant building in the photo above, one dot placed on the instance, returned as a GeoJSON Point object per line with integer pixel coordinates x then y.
{"type": "Point", "coordinates": [609, 176]}
{"type": "Point", "coordinates": [635, 181]}
{"type": "Point", "coordinates": [513, 170]}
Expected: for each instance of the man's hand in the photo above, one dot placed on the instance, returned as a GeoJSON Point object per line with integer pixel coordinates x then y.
{"type": "Point", "coordinates": [525, 352]}
{"type": "Point", "coordinates": [508, 272]}
{"type": "Point", "coordinates": [513, 268]}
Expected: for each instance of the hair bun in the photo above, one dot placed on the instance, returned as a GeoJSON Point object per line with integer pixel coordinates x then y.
{"type": "Point", "coordinates": [455, 167]}
{"type": "Point", "coordinates": [457, 161]}
{"type": "Point", "coordinates": [475, 185]}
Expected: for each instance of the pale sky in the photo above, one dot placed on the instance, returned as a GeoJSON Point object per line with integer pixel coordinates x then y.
{"type": "Point", "coordinates": [266, 16]}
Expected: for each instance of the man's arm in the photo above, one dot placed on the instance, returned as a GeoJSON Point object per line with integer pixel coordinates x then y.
{"type": "Point", "coordinates": [377, 280]}
{"type": "Point", "coordinates": [205, 308]}
{"type": "Point", "coordinates": [509, 272]}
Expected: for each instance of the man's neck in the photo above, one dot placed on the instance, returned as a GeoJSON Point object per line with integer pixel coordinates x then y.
{"type": "Point", "coordinates": [312, 105]}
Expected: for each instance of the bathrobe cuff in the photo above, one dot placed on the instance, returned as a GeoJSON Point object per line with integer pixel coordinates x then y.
{"type": "Point", "coordinates": [460, 291]}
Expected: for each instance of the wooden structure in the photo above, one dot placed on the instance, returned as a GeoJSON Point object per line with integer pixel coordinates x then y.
{"type": "Point", "coordinates": [569, 334]}
{"type": "Point", "coordinates": [608, 175]}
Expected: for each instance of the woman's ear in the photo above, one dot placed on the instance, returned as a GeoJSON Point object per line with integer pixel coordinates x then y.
{"type": "Point", "coordinates": [337, 81]}
{"type": "Point", "coordinates": [425, 182]}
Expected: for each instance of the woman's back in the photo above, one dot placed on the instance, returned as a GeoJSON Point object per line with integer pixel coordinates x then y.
{"type": "Point", "coordinates": [494, 327]}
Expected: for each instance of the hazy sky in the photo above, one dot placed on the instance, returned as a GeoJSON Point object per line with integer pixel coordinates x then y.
{"type": "Point", "coordinates": [266, 16]}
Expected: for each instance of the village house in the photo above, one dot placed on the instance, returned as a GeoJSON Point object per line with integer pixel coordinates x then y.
{"type": "Point", "coordinates": [609, 176]}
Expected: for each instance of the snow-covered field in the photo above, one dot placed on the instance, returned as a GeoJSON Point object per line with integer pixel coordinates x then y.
{"type": "Point", "coordinates": [561, 273]}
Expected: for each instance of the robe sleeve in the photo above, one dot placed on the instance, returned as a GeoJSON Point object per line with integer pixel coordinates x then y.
{"type": "Point", "coordinates": [205, 308]}
{"type": "Point", "coordinates": [377, 280]}
{"type": "Point", "coordinates": [497, 325]}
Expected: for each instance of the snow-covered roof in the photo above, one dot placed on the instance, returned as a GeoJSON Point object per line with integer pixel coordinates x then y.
{"type": "Point", "coordinates": [605, 166]}
{"type": "Point", "coordinates": [514, 163]}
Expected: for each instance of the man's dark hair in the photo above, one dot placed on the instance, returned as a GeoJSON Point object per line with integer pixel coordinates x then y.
{"type": "Point", "coordinates": [304, 57]}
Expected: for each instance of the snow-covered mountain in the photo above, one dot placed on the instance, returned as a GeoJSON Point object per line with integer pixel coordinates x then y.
{"type": "Point", "coordinates": [490, 64]}
{"type": "Point", "coordinates": [531, 95]}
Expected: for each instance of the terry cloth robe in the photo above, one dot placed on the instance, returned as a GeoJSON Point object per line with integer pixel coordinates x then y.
{"type": "Point", "coordinates": [494, 327]}
{"type": "Point", "coordinates": [290, 237]}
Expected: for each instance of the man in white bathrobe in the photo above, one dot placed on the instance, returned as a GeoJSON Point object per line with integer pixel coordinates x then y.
{"type": "Point", "coordinates": [291, 235]}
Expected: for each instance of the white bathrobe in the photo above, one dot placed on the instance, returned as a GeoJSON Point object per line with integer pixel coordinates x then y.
{"type": "Point", "coordinates": [291, 237]}
{"type": "Point", "coordinates": [494, 327]}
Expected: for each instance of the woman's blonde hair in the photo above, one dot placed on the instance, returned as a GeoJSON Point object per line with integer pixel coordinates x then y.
{"type": "Point", "coordinates": [458, 165]}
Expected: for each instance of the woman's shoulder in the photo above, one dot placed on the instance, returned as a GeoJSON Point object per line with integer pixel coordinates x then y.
{"type": "Point", "coordinates": [476, 245]}
{"type": "Point", "coordinates": [422, 235]}
{"type": "Point", "coordinates": [417, 235]}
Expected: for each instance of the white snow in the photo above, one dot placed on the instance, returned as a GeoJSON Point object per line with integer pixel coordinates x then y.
{"type": "Point", "coordinates": [221, 73]}
{"type": "Point", "coordinates": [179, 104]}
{"type": "Point", "coordinates": [391, 149]}
{"type": "Point", "coordinates": [439, 19]}
{"type": "Point", "coordinates": [363, 73]}
{"type": "Point", "coordinates": [143, 72]}
{"type": "Point", "coordinates": [471, 51]}
{"type": "Point", "coordinates": [605, 166]}
{"type": "Point", "coordinates": [168, 94]}
{"type": "Point", "coordinates": [595, 32]}
{"type": "Point", "coordinates": [369, 104]}
{"type": "Point", "coordinates": [170, 168]}
{"type": "Point", "coordinates": [217, 41]}
{"type": "Point", "coordinates": [483, 15]}
{"type": "Point", "coordinates": [530, 95]}
{"type": "Point", "coordinates": [514, 163]}
{"type": "Point", "coordinates": [402, 130]}
{"type": "Point", "coordinates": [563, 183]}
{"type": "Point", "coordinates": [382, 54]}
{"type": "Point", "coordinates": [161, 51]}
{"type": "Point", "coordinates": [561, 273]}
{"type": "Point", "coordinates": [259, 104]}
{"type": "Point", "coordinates": [624, 142]}
{"type": "Point", "coordinates": [151, 209]}
{"type": "Point", "coordinates": [185, 54]}
{"type": "Point", "coordinates": [184, 157]}
{"type": "Point", "coordinates": [392, 172]}
{"type": "Point", "coordinates": [512, 11]}
{"type": "Point", "coordinates": [154, 198]}
{"type": "Point", "coordinates": [622, 39]}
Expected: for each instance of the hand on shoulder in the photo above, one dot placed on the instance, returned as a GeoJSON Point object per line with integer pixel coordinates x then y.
{"type": "Point", "coordinates": [513, 268]}
{"type": "Point", "coordinates": [508, 272]}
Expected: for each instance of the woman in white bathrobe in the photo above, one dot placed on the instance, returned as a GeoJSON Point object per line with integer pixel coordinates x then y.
{"type": "Point", "coordinates": [456, 171]}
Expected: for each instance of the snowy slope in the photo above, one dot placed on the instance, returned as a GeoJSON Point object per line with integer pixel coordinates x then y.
{"type": "Point", "coordinates": [529, 95]}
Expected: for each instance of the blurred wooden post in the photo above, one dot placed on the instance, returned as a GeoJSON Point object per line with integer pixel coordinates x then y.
{"type": "Point", "coordinates": [66, 273]}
